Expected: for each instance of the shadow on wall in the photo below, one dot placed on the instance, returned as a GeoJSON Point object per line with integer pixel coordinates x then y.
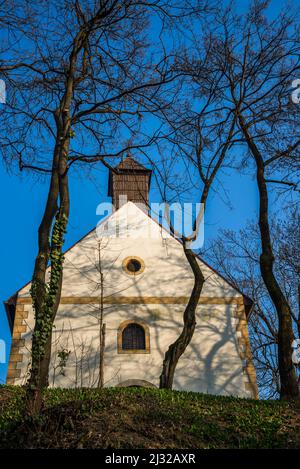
{"type": "Point", "coordinates": [211, 362]}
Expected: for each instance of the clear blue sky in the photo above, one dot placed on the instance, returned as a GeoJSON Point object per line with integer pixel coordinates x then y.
{"type": "Point", "coordinates": [23, 199]}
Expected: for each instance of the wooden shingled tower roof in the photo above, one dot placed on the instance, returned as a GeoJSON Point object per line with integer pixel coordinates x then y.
{"type": "Point", "coordinates": [131, 179]}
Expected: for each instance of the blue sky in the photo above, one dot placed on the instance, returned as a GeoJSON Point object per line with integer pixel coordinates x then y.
{"type": "Point", "coordinates": [23, 199]}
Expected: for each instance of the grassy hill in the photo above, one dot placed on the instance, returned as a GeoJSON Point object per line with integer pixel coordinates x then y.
{"type": "Point", "coordinates": [147, 418]}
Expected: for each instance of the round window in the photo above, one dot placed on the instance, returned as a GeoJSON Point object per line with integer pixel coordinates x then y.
{"type": "Point", "coordinates": [133, 265]}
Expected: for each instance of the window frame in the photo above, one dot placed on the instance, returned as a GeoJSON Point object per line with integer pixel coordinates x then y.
{"type": "Point", "coordinates": [123, 326]}
{"type": "Point", "coordinates": [126, 261]}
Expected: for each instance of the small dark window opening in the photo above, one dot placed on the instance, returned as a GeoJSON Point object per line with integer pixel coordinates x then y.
{"type": "Point", "coordinates": [133, 338]}
{"type": "Point", "coordinates": [133, 265]}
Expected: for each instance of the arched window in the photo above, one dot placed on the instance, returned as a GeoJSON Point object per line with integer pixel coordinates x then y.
{"type": "Point", "coordinates": [133, 337]}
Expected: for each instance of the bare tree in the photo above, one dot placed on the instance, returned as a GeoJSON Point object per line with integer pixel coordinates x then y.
{"type": "Point", "coordinates": [80, 74]}
{"type": "Point", "coordinates": [199, 139]}
{"type": "Point", "coordinates": [102, 325]}
{"type": "Point", "coordinates": [237, 257]}
{"type": "Point", "coordinates": [260, 58]}
{"type": "Point", "coordinates": [241, 67]}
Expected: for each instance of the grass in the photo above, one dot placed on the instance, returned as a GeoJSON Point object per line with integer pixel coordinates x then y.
{"type": "Point", "coordinates": [146, 418]}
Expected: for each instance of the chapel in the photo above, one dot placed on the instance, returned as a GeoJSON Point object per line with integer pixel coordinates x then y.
{"type": "Point", "coordinates": [125, 287]}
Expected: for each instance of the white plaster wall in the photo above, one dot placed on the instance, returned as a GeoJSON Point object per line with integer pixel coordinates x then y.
{"type": "Point", "coordinates": [167, 272]}
{"type": "Point", "coordinates": [210, 364]}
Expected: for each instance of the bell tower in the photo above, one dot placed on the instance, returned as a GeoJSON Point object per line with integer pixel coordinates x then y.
{"type": "Point", "coordinates": [130, 181]}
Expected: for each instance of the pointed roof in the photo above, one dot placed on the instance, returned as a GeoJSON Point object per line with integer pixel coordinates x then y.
{"type": "Point", "coordinates": [130, 164]}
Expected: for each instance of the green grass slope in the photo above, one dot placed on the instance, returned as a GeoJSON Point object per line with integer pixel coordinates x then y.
{"type": "Point", "coordinates": [146, 418]}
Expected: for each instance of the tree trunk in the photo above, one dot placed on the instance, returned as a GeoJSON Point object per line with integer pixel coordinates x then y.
{"type": "Point", "coordinates": [298, 319]}
{"type": "Point", "coordinates": [101, 358]}
{"type": "Point", "coordinates": [46, 296]}
{"type": "Point", "coordinates": [288, 380]}
{"type": "Point", "coordinates": [36, 381]}
{"type": "Point", "coordinates": [176, 349]}
{"type": "Point", "coordinates": [102, 326]}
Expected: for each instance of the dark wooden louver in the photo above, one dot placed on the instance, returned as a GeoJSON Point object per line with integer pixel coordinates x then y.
{"type": "Point", "coordinates": [133, 338]}
{"type": "Point", "coordinates": [132, 180]}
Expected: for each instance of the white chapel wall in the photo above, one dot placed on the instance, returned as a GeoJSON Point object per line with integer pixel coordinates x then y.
{"type": "Point", "coordinates": [210, 364]}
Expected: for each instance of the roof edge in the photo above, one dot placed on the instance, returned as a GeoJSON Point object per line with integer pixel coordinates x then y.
{"type": "Point", "coordinates": [10, 309]}
{"type": "Point", "coordinates": [248, 302]}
